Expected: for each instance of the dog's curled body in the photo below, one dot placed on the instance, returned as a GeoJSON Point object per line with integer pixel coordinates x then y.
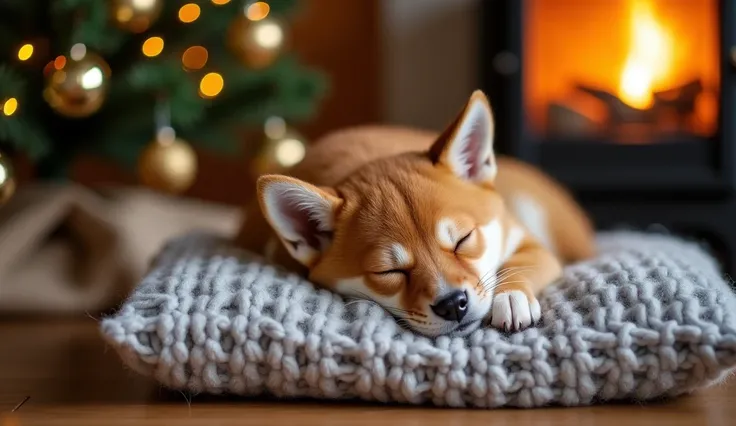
{"type": "Point", "coordinates": [435, 228]}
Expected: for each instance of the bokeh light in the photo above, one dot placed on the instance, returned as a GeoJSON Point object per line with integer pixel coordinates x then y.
{"type": "Point", "coordinates": [78, 52]}
{"type": "Point", "coordinates": [124, 14]}
{"type": "Point", "coordinates": [220, 2]}
{"type": "Point", "coordinates": [211, 85]}
{"type": "Point", "coordinates": [153, 46]}
{"type": "Point", "coordinates": [10, 106]}
{"type": "Point", "coordinates": [194, 58]}
{"type": "Point", "coordinates": [257, 11]}
{"type": "Point", "coordinates": [25, 52]}
{"type": "Point", "coordinates": [144, 4]}
{"type": "Point", "coordinates": [48, 68]}
{"type": "Point", "coordinates": [189, 13]}
{"type": "Point", "coordinates": [92, 79]}
{"type": "Point", "coordinates": [4, 179]}
{"type": "Point", "coordinates": [60, 62]}
{"type": "Point", "coordinates": [274, 127]}
{"type": "Point", "coordinates": [289, 152]}
{"type": "Point", "coordinates": [58, 78]}
{"type": "Point", "coordinates": [269, 35]}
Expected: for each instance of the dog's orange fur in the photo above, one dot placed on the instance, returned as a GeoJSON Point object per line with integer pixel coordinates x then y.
{"type": "Point", "coordinates": [396, 210]}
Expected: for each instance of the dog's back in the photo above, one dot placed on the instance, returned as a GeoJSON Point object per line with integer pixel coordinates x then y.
{"type": "Point", "coordinates": [548, 211]}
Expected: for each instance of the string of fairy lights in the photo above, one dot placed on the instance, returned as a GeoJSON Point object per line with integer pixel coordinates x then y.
{"type": "Point", "coordinates": [76, 86]}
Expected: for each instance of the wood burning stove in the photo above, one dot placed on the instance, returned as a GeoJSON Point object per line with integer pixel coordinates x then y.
{"type": "Point", "coordinates": [628, 102]}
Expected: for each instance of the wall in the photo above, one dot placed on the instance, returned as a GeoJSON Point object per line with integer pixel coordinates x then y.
{"type": "Point", "coordinates": [429, 59]}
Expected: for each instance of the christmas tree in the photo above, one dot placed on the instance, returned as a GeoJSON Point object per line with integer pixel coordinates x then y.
{"type": "Point", "coordinates": [138, 81]}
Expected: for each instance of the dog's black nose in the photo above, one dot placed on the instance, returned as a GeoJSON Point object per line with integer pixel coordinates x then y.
{"type": "Point", "coordinates": [452, 307]}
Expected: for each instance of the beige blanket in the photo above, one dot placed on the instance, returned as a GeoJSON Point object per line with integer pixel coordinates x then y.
{"type": "Point", "coordinates": [68, 249]}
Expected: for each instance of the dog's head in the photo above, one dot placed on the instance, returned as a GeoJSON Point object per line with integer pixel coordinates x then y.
{"type": "Point", "coordinates": [421, 234]}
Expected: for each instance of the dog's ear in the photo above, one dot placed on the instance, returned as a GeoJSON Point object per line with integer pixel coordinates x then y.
{"type": "Point", "coordinates": [301, 214]}
{"type": "Point", "coordinates": [466, 146]}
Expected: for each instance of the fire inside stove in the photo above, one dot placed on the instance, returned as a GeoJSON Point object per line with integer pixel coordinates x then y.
{"type": "Point", "coordinates": [630, 71]}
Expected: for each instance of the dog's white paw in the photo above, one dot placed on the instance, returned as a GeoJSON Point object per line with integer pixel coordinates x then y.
{"type": "Point", "coordinates": [513, 311]}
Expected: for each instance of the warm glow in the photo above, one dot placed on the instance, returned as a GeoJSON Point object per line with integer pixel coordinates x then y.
{"type": "Point", "coordinates": [211, 85]}
{"type": "Point", "coordinates": [10, 106]}
{"type": "Point", "coordinates": [194, 58]}
{"type": "Point", "coordinates": [650, 56]}
{"type": "Point", "coordinates": [220, 2]}
{"type": "Point", "coordinates": [153, 46]}
{"type": "Point", "coordinates": [25, 52]}
{"type": "Point", "coordinates": [257, 11]}
{"type": "Point", "coordinates": [627, 69]}
{"type": "Point", "coordinates": [189, 13]}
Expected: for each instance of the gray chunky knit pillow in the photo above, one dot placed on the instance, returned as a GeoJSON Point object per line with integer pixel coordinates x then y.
{"type": "Point", "coordinates": [650, 317]}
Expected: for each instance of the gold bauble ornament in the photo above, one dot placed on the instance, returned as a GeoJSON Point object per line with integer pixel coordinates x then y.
{"type": "Point", "coordinates": [168, 164]}
{"type": "Point", "coordinates": [77, 85]}
{"type": "Point", "coordinates": [135, 16]}
{"type": "Point", "coordinates": [7, 179]}
{"type": "Point", "coordinates": [256, 42]}
{"type": "Point", "coordinates": [282, 148]}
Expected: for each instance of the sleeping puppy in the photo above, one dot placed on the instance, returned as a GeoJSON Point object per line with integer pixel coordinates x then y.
{"type": "Point", "coordinates": [436, 229]}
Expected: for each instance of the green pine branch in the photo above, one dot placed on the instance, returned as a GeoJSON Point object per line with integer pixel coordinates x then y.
{"type": "Point", "coordinates": [168, 80]}
{"type": "Point", "coordinates": [91, 24]}
{"type": "Point", "coordinates": [20, 130]}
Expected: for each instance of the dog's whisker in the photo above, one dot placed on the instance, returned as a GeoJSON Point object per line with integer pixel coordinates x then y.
{"type": "Point", "coordinates": [499, 284]}
{"type": "Point", "coordinates": [511, 268]}
{"type": "Point", "coordinates": [518, 268]}
{"type": "Point", "coordinates": [491, 288]}
{"type": "Point", "coordinates": [508, 273]}
{"type": "Point", "coordinates": [513, 271]}
{"type": "Point", "coordinates": [486, 274]}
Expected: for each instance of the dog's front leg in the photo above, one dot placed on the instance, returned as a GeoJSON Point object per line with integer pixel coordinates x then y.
{"type": "Point", "coordinates": [518, 282]}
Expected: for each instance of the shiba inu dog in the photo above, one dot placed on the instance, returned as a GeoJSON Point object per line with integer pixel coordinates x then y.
{"type": "Point", "coordinates": [436, 229]}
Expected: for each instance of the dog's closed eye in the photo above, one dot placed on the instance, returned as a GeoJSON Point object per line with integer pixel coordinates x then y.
{"type": "Point", "coordinates": [463, 240]}
{"type": "Point", "coordinates": [392, 271]}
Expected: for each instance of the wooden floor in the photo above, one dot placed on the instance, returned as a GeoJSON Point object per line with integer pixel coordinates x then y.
{"type": "Point", "coordinates": [67, 376]}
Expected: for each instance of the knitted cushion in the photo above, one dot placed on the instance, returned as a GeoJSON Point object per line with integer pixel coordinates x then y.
{"type": "Point", "coordinates": [649, 317]}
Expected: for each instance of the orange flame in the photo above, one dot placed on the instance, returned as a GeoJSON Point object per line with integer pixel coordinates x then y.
{"type": "Point", "coordinates": [650, 56]}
